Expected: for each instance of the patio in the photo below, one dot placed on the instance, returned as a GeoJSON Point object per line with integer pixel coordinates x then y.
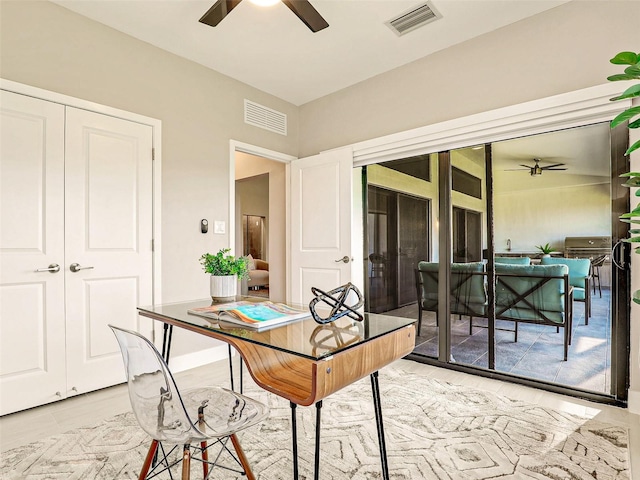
{"type": "Point", "coordinates": [538, 352]}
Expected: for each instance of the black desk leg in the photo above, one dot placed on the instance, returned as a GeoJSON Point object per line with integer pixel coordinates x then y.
{"type": "Point", "coordinates": [166, 342]}
{"type": "Point", "coordinates": [166, 352]}
{"type": "Point", "coordinates": [231, 368]}
{"type": "Point", "coordinates": [316, 470]}
{"type": "Point", "coordinates": [294, 435]}
{"type": "Point", "coordinates": [375, 387]}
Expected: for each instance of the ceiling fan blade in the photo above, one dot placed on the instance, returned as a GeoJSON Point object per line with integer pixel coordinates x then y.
{"type": "Point", "coordinates": [547, 167]}
{"type": "Point", "coordinates": [218, 11]}
{"type": "Point", "coordinates": [526, 166]}
{"type": "Point", "coordinates": [309, 15]}
{"type": "Point", "coordinates": [555, 169]}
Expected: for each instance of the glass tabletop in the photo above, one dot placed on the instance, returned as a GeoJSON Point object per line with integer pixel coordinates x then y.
{"type": "Point", "coordinates": [304, 337]}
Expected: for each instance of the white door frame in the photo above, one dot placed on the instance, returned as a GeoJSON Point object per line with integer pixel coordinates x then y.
{"type": "Point", "coordinates": [236, 146]}
{"type": "Point", "coordinates": [154, 123]}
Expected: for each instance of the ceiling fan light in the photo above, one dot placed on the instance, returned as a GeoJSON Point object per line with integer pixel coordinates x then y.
{"type": "Point", "coordinates": [264, 3]}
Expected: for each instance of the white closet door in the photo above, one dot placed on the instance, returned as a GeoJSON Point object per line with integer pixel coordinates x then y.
{"type": "Point", "coordinates": [108, 232]}
{"type": "Point", "coordinates": [32, 322]}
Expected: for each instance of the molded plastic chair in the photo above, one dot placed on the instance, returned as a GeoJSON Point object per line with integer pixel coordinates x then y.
{"type": "Point", "coordinates": [579, 278]}
{"type": "Point", "coordinates": [195, 416]}
{"type": "Point", "coordinates": [513, 260]}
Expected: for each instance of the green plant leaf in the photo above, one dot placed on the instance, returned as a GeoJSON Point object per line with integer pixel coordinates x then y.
{"type": "Point", "coordinates": [636, 296]}
{"type": "Point", "coordinates": [630, 174]}
{"type": "Point", "coordinates": [620, 76]}
{"type": "Point", "coordinates": [632, 183]}
{"type": "Point", "coordinates": [631, 240]}
{"type": "Point", "coordinates": [634, 231]}
{"type": "Point", "coordinates": [633, 147]}
{"type": "Point", "coordinates": [624, 116]}
{"type": "Point", "coordinates": [628, 220]}
{"type": "Point", "coordinates": [632, 91]}
{"type": "Point", "coordinates": [634, 124]}
{"type": "Point", "coordinates": [625, 58]}
{"type": "Point", "coordinates": [633, 70]}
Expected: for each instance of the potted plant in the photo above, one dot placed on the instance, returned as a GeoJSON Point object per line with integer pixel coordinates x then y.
{"type": "Point", "coordinates": [225, 270]}
{"type": "Point", "coordinates": [631, 61]}
{"type": "Point", "coordinates": [546, 249]}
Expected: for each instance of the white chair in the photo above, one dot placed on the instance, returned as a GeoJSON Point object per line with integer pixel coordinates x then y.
{"type": "Point", "coordinates": [193, 417]}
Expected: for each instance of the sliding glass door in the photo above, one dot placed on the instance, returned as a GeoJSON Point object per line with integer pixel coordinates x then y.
{"type": "Point", "coordinates": [486, 210]}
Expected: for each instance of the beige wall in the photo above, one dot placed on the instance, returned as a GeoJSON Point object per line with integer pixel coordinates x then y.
{"type": "Point", "coordinates": [250, 166]}
{"type": "Point", "coordinates": [564, 49]}
{"type": "Point", "coordinates": [47, 46]}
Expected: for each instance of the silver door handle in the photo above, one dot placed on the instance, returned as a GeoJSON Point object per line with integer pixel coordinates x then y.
{"type": "Point", "coordinates": [344, 259]}
{"type": "Point", "coordinates": [75, 267]}
{"type": "Point", "coordinates": [53, 268]}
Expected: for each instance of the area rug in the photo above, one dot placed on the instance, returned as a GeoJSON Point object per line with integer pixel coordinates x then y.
{"type": "Point", "coordinates": [434, 430]}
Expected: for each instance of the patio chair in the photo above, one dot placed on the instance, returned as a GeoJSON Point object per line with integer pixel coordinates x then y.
{"type": "Point", "coordinates": [579, 278]}
{"type": "Point", "coordinates": [539, 294]}
{"type": "Point", "coordinates": [596, 264]}
{"type": "Point", "coordinates": [513, 260]}
{"type": "Point", "coordinates": [468, 295]}
{"type": "Point", "coordinates": [193, 416]}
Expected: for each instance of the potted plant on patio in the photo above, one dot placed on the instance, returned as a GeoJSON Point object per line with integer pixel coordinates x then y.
{"type": "Point", "coordinates": [631, 72]}
{"type": "Point", "coordinates": [546, 249]}
{"type": "Point", "coordinates": [225, 271]}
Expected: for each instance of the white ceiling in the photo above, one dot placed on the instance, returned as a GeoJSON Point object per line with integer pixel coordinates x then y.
{"type": "Point", "coordinates": [272, 50]}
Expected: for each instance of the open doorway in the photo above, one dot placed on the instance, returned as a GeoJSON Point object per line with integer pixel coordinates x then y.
{"type": "Point", "coordinates": [260, 189]}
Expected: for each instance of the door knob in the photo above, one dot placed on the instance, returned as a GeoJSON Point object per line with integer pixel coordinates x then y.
{"type": "Point", "coordinates": [53, 268]}
{"type": "Point", "coordinates": [344, 259]}
{"type": "Point", "coordinates": [75, 267]}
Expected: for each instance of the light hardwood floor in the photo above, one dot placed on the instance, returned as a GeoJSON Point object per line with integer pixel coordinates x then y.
{"type": "Point", "coordinates": [24, 427]}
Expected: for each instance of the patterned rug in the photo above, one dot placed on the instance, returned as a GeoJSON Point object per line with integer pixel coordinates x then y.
{"type": "Point", "coordinates": [434, 430]}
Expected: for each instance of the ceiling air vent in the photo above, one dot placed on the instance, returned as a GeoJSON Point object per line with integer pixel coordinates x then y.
{"type": "Point", "coordinates": [265, 117]}
{"type": "Point", "coordinates": [414, 18]}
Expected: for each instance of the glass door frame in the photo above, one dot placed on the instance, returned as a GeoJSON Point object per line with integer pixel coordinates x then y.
{"type": "Point", "coordinates": [620, 302]}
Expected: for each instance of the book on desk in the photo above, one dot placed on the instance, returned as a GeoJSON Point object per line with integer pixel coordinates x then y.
{"type": "Point", "coordinates": [254, 315]}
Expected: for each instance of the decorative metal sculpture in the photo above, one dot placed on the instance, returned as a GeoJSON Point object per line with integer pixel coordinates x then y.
{"type": "Point", "coordinates": [336, 299]}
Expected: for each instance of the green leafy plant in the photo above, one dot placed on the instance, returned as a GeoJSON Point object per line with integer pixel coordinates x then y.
{"type": "Point", "coordinates": [631, 72]}
{"type": "Point", "coordinates": [222, 264]}
{"type": "Point", "coordinates": [545, 248]}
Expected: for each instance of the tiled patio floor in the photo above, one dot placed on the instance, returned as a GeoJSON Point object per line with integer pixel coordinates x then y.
{"type": "Point", "coordinates": [538, 353]}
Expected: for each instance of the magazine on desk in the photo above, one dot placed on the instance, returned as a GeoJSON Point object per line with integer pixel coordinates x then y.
{"type": "Point", "coordinates": [255, 315]}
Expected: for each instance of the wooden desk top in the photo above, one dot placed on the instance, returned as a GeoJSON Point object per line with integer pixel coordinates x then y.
{"type": "Point", "coordinates": [303, 361]}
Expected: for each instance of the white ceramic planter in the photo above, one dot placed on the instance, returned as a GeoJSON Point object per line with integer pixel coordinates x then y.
{"type": "Point", "coordinates": [224, 287]}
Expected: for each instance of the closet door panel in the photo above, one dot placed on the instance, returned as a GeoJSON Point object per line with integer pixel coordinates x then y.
{"type": "Point", "coordinates": [108, 191]}
{"type": "Point", "coordinates": [32, 323]}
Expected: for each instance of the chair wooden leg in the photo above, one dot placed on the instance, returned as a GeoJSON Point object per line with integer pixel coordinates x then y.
{"type": "Point", "coordinates": [241, 456]}
{"type": "Point", "coordinates": [205, 459]}
{"type": "Point", "coordinates": [186, 462]}
{"type": "Point", "coordinates": [148, 459]}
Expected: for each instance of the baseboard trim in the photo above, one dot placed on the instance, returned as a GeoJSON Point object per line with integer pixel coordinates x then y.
{"type": "Point", "coordinates": [186, 361]}
{"type": "Point", "coordinates": [633, 403]}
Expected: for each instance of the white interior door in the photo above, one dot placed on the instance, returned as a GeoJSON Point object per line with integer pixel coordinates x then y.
{"type": "Point", "coordinates": [108, 237]}
{"type": "Point", "coordinates": [32, 322]}
{"type": "Point", "coordinates": [321, 213]}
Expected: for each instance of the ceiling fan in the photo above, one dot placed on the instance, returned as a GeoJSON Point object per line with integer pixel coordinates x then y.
{"type": "Point", "coordinates": [302, 8]}
{"type": "Point", "coordinates": [536, 170]}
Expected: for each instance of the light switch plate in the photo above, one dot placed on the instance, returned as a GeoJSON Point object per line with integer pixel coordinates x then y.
{"type": "Point", "coordinates": [219, 226]}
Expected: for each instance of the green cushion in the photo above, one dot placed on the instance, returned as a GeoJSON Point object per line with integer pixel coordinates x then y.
{"type": "Point", "coordinates": [513, 260]}
{"type": "Point", "coordinates": [578, 269]}
{"type": "Point", "coordinates": [545, 303]}
{"type": "Point", "coordinates": [468, 292]}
